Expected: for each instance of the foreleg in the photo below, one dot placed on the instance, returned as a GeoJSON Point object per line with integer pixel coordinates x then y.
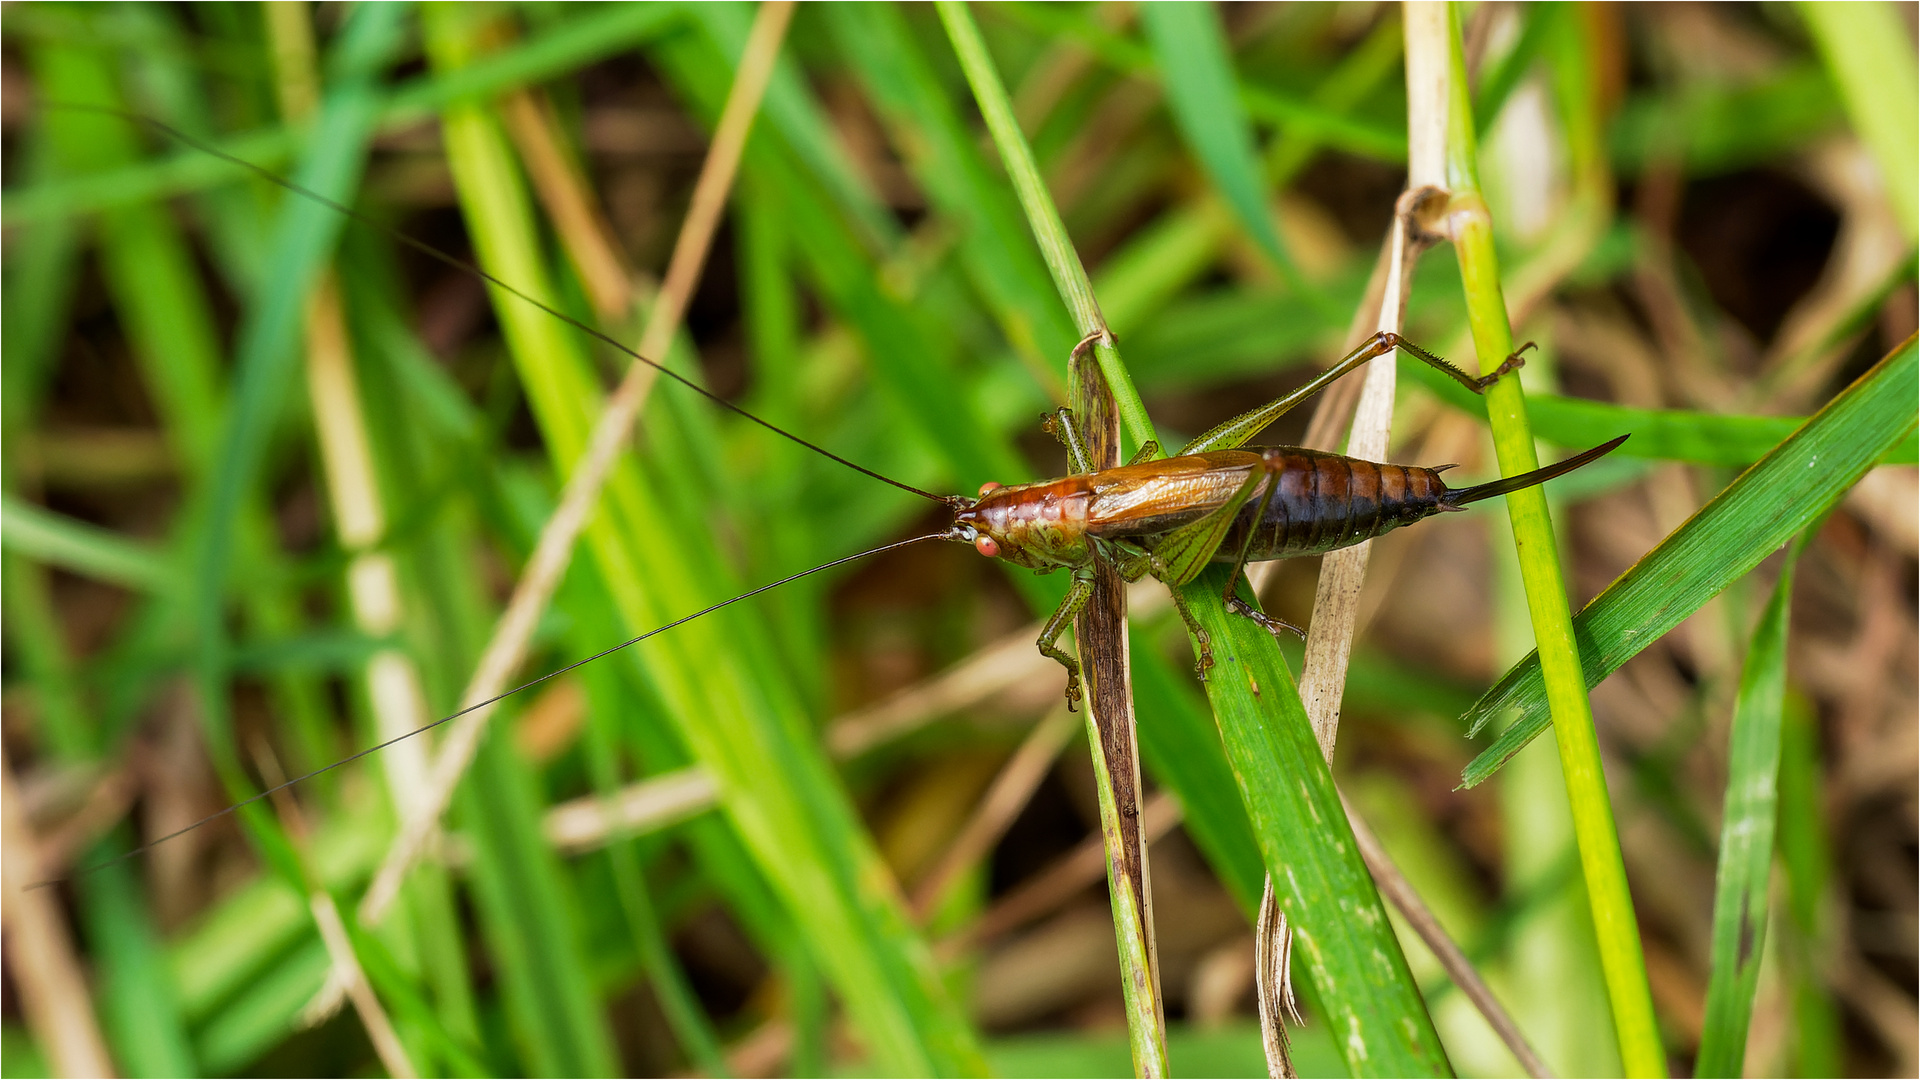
{"type": "Point", "coordinates": [1077, 596]}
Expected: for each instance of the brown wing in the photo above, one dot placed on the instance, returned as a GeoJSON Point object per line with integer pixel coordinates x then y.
{"type": "Point", "coordinates": [1158, 496]}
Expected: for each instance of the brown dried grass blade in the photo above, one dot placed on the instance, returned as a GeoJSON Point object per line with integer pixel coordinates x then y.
{"type": "Point", "coordinates": [1100, 634]}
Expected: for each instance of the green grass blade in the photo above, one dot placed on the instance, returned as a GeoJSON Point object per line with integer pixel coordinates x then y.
{"type": "Point", "coordinates": [80, 547]}
{"type": "Point", "coordinates": [1598, 840]}
{"type": "Point", "coordinates": [139, 1003]}
{"type": "Point", "coordinates": [1658, 434]}
{"type": "Point", "coordinates": [532, 933]}
{"type": "Point", "coordinates": [1196, 67]}
{"type": "Point", "coordinates": [1740, 909]}
{"type": "Point", "coordinates": [1674, 434]}
{"type": "Point", "coordinates": [1303, 116]}
{"type": "Point", "coordinates": [609, 29]}
{"type": "Point", "coordinates": [1180, 746]}
{"type": "Point", "coordinates": [1818, 1044]}
{"type": "Point", "coordinates": [717, 676]}
{"type": "Point", "coordinates": [1360, 976]}
{"type": "Point", "coordinates": [1742, 525]}
{"type": "Point", "coordinates": [1043, 217]}
{"type": "Point", "coordinates": [997, 249]}
{"type": "Point", "coordinates": [1869, 53]}
{"type": "Point", "coordinates": [267, 1014]}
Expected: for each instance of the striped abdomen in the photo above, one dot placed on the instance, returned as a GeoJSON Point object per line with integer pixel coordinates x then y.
{"type": "Point", "coordinates": [1327, 501]}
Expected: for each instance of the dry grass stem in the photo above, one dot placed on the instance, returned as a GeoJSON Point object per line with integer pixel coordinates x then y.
{"type": "Point", "coordinates": [1273, 983]}
{"type": "Point", "coordinates": [1010, 663]}
{"type": "Point", "coordinates": [590, 821]}
{"type": "Point", "coordinates": [1337, 595]}
{"type": "Point", "coordinates": [507, 649]}
{"type": "Point", "coordinates": [1009, 793]}
{"type": "Point", "coordinates": [353, 488]}
{"type": "Point", "coordinates": [1323, 675]}
{"type": "Point", "coordinates": [50, 986]}
{"type": "Point", "coordinates": [373, 584]}
{"type": "Point", "coordinates": [582, 228]}
{"type": "Point", "coordinates": [386, 1043]}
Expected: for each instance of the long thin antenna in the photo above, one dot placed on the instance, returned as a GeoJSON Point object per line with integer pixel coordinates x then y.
{"type": "Point", "coordinates": [945, 534]}
{"type": "Point", "coordinates": [464, 266]}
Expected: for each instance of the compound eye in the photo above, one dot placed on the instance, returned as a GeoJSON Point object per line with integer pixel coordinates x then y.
{"type": "Point", "coordinates": [988, 487]}
{"type": "Point", "coordinates": [985, 545]}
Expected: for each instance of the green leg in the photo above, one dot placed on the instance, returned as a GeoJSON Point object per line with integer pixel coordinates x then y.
{"type": "Point", "coordinates": [1199, 633]}
{"type": "Point", "coordinates": [1237, 431]}
{"type": "Point", "coordinates": [1077, 596]}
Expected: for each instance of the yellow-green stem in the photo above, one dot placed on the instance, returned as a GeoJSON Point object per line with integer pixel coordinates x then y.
{"type": "Point", "coordinates": [1621, 960]}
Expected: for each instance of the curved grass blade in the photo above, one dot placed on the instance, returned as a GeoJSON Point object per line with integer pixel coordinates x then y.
{"type": "Point", "coordinates": [1780, 495]}
{"type": "Point", "coordinates": [1746, 837]}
